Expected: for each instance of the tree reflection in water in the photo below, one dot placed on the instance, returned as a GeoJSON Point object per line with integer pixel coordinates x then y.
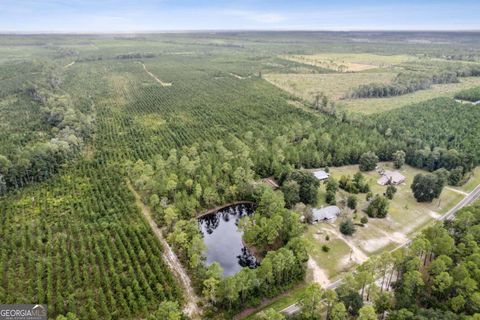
{"type": "Point", "coordinates": [224, 240]}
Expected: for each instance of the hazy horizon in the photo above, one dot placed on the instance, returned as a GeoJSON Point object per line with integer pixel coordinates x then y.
{"type": "Point", "coordinates": [150, 16]}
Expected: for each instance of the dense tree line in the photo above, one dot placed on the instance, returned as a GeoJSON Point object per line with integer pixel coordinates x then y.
{"type": "Point", "coordinates": [77, 241]}
{"type": "Point", "coordinates": [135, 55]}
{"type": "Point", "coordinates": [66, 127]}
{"type": "Point", "coordinates": [354, 185]}
{"type": "Point", "coordinates": [439, 133]}
{"type": "Point", "coordinates": [472, 94]}
{"type": "Point", "coordinates": [435, 277]}
{"type": "Point", "coordinates": [405, 82]}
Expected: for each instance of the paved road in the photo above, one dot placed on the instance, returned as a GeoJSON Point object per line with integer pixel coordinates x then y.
{"type": "Point", "coordinates": [450, 214]}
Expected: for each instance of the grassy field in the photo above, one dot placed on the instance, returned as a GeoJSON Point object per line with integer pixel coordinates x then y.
{"type": "Point", "coordinates": [333, 85]}
{"type": "Point", "coordinates": [336, 85]}
{"type": "Point", "coordinates": [369, 106]}
{"type": "Point", "coordinates": [351, 62]}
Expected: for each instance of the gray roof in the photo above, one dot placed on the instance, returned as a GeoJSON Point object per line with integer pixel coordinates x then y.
{"type": "Point", "coordinates": [393, 177]}
{"type": "Point", "coordinates": [326, 213]}
{"type": "Point", "coordinates": [321, 174]}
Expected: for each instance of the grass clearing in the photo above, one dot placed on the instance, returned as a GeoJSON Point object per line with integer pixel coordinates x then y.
{"type": "Point", "coordinates": [350, 62]}
{"type": "Point", "coordinates": [374, 105]}
{"type": "Point", "coordinates": [333, 85]}
{"type": "Point", "coordinates": [406, 218]}
{"type": "Point", "coordinates": [327, 261]}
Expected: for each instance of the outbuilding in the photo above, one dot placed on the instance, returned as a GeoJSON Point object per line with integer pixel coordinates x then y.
{"type": "Point", "coordinates": [321, 175]}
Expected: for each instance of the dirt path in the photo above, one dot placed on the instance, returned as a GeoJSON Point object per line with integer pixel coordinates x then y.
{"type": "Point", "coordinates": [457, 191]}
{"type": "Point", "coordinates": [69, 65]}
{"type": "Point", "coordinates": [163, 84]}
{"type": "Point", "coordinates": [238, 76]}
{"type": "Point", "coordinates": [319, 275]}
{"type": "Point", "coordinates": [358, 255]}
{"type": "Point", "coordinates": [191, 308]}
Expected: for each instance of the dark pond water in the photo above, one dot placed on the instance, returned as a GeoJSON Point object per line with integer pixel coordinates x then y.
{"type": "Point", "coordinates": [224, 240]}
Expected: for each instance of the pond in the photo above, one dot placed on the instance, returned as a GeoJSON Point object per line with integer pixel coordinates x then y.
{"type": "Point", "coordinates": [224, 240]}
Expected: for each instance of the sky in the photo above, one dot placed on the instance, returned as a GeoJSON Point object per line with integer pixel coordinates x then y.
{"type": "Point", "coordinates": [171, 15]}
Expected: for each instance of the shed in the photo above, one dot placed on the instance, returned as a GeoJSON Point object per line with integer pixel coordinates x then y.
{"type": "Point", "coordinates": [326, 213]}
{"type": "Point", "coordinates": [391, 177]}
{"type": "Point", "coordinates": [321, 174]}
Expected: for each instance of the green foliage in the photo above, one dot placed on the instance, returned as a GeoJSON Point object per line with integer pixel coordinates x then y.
{"type": "Point", "coordinates": [352, 202]}
{"type": "Point", "coordinates": [453, 146]}
{"type": "Point", "coordinates": [80, 243]}
{"type": "Point", "coordinates": [347, 227]}
{"type": "Point", "coordinates": [378, 207]}
{"type": "Point", "coordinates": [404, 83]}
{"type": "Point", "coordinates": [426, 187]}
{"type": "Point", "coordinates": [308, 186]}
{"type": "Point", "coordinates": [390, 192]}
{"type": "Point", "coordinates": [355, 185]}
{"type": "Point", "coordinates": [271, 226]}
{"type": "Point", "coordinates": [270, 314]}
{"type": "Point", "coordinates": [368, 161]}
{"type": "Point", "coordinates": [167, 310]}
{"type": "Point", "coordinates": [291, 192]}
{"type": "Point", "coordinates": [352, 300]}
{"type": "Point", "coordinates": [331, 198]}
{"type": "Point", "coordinates": [399, 159]}
{"type": "Point", "coordinates": [279, 270]}
{"type": "Point", "coordinates": [472, 94]}
{"type": "Point", "coordinates": [364, 220]}
{"type": "Point", "coordinates": [311, 302]}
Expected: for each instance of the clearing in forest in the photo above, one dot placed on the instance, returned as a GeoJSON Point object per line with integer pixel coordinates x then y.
{"type": "Point", "coordinates": [333, 85]}
{"type": "Point", "coordinates": [374, 105]}
{"type": "Point", "coordinates": [350, 62]}
{"type": "Point", "coordinates": [406, 217]}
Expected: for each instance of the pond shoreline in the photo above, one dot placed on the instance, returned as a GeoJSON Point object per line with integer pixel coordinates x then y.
{"type": "Point", "coordinates": [218, 208]}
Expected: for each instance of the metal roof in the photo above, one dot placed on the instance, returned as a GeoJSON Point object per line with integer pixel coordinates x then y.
{"type": "Point", "coordinates": [326, 213]}
{"type": "Point", "coordinates": [321, 174]}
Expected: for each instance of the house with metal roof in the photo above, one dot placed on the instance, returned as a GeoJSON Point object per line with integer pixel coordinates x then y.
{"type": "Point", "coordinates": [321, 174]}
{"type": "Point", "coordinates": [391, 177]}
{"type": "Point", "coordinates": [325, 213]}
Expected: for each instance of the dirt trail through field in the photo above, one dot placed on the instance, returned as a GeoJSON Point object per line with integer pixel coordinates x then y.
{"type": "Point", "coordinates": [238, 76]}
{"type": "Point", "coordinates": [191, 308]}
{"type": "Point", "coordinates": [164, 84]}
{"type": "Point", "coordinates": [69, 65]}
{"type": "Point", "coordinates": [319, 275]}
{"type": "Point", "coordinates": [357, 255]}
{"type": "Point", "coordinates": [457, 191]}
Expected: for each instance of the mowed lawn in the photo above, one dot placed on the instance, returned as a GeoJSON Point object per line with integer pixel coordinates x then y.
{"type": "Point", "coordinates": [374, 105]}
